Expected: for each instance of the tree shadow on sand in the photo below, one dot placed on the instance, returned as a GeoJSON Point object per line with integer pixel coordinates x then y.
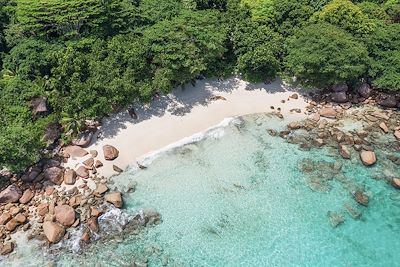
{"type": "Point", "coordinates": [181, 102]}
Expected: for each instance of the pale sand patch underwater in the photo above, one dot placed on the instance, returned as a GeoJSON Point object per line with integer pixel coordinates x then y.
{"type": "Point", "coordinates": [184, 113]}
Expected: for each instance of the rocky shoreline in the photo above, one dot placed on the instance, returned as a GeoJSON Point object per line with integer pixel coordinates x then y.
{"type": "Point", "coordinates": [364, 132]}
{"type": "Point", "coordinates": [49, 201]}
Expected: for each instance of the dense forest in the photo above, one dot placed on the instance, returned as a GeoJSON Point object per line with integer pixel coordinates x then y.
{"type": "Point", "coordinates": [67, 61]}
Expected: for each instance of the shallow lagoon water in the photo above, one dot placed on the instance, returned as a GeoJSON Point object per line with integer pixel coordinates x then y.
{"type": "Point", "coordinates": [238, 198]}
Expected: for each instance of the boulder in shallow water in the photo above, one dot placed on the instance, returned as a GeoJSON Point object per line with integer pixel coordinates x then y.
{"type": "Point", "coordinates": [396, 183]}
{"type": "Point", "coordinates": [114, 198]}
{"type": "Point", "coordinates": [368, 158]}
{"type": "Point", "coordinates": [294, 126]}
{"type": "Point", "coordinates": [93, 225]}
{"type": "Point", "coordinates": [53, 231]}
{"type": "Point", "coordinates": [117, 169]}
{"type": "Point", "coordinates": [345, 152]}
{"type": "Point", "coordinates": [384, 127]}
{"type": "Point", "coordinates": [65, 215]}
{"type": "Point", "coordinates": [328, 112]}
{"type": "Point", "coordinates": [361, 198]}
{"type": "Point", "coordinates": [6, 248]}
{"type": "Point", "coordinates": [336, 219]}
{"type": "Point", "coordinates": [11, 194]}
{"type": "Point", "coordinates": [397, 134]}
{"type": "Point", "coordinates": [86, 237]}
{"type": "Point", "coordinates": [110, 152]}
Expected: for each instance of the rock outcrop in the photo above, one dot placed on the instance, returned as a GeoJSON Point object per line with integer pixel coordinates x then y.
{"type": "Point", "coordinates": [53, 231]}
{"type": "Point", "coordinates": [69, 177]}
{"type": "Point", "coordinates": [114, 198]}
{"type": "Point", "coordinates": [328, 112]}
{"type": "Point", "coordinates": [110, 152]}
{"type": "Point", "coordinates": [65, 215]}
{"type": "Point", "coordinates": [26, 196]}
{"type": "Point", "coordinates": [11, 194]}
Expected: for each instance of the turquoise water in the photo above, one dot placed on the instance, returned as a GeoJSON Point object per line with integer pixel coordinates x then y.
{"type": "Point", "coordinates": [242, 200]}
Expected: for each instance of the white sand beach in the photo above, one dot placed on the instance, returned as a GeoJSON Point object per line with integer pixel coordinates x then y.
{"type": "Point", "coordinates": [184, 113]}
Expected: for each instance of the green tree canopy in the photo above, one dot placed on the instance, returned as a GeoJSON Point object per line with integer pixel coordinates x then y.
{"type": "Point", "coordinates": [346, 15]}
{"type": "Point", "coordinates": [323, 55]}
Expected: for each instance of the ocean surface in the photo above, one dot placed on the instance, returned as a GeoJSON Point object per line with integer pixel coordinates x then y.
{"type": "Point", "coordinates": [238, 196]}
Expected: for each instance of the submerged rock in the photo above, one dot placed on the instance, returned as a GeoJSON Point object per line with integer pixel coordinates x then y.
{"type": "Point", "coordinates": [345, 152]}
{"type": "Point", "coordinates": [361, 198]}
{"type": "Point", "coordinates": [396, 183]}
{"type": "Point", "coordinates": [335, 219]}
{"type": "Point", "coordinates": [354, 212]}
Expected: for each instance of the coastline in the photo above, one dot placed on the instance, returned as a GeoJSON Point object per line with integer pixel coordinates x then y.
{"type": "Point", "coordinates": [185, 113]}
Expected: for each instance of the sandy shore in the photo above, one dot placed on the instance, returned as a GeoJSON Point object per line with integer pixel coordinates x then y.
{"type": "Point", "coordinates": [184, 113]}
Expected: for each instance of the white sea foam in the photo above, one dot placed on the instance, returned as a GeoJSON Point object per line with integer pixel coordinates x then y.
{"type": "Point", "coordinates": [215, 132]}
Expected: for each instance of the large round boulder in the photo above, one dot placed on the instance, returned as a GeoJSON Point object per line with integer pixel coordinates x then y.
{"type": "Point", "coordinates": [368, 158]}
{"type": "Point", "coordinates": [110, 152]}
{"type": "Point", "coordinates": [65, 215]}
{"type": "Point", "coordinates": [339, 97]}
{"type": "Point", "coordinates": [364, 90]}
{"type": "Point", "coordinates": [389, 102]}
{"type": "Point", "coordinates": [11, 194]}
{"type": "Point", "coordinates": [53, 231]}
{"type": "Point", "coordinates": [54, 175]}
